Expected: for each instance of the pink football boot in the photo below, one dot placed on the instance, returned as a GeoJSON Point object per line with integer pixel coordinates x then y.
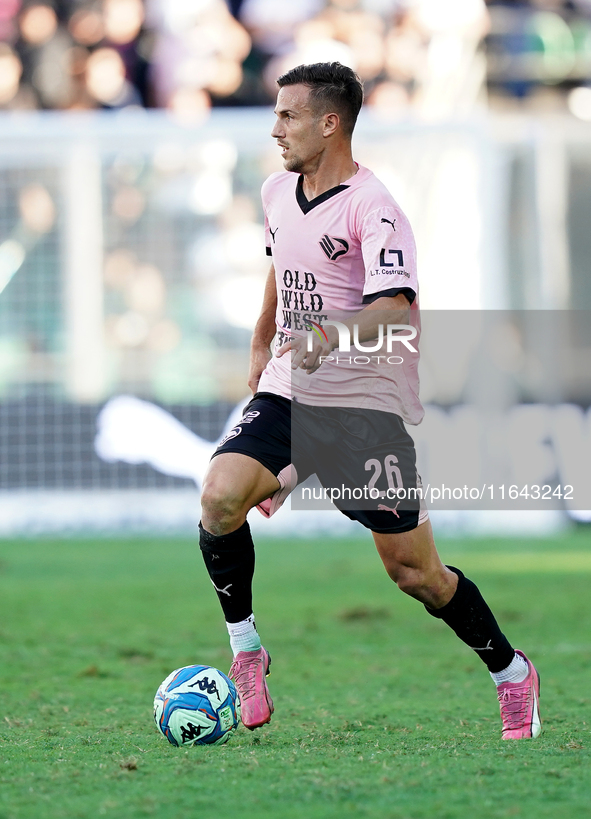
{"type": "Point", "coordinates": [248, 672]}
{"type": "Point", "coordinates": [519, 703]}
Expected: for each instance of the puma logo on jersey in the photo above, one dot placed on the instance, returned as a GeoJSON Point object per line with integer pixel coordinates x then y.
{"type": "Point", "coordinates": [327, 243]}
{"type": "Point", "coordinates": [273, 232]}
{"type": "Point", "coordinates": [389, 223]}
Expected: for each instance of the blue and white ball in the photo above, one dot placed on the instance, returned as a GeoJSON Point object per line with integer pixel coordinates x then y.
{"type": "Point", "coordinates": [197, 705]}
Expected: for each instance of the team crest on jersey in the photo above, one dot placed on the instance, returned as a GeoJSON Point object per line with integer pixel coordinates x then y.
{"type": "Point", "coordinates": [332, 250]}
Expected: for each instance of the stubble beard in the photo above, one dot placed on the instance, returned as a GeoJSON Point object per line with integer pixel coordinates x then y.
{"type": "Point", "coordinates": [295, 164]}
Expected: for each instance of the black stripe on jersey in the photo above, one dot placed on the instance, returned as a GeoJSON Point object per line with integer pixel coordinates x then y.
{"type": "Point", "coordinates": [305, 205]}
{"type": "Point", "coordinates": [269, 253]}
{"type": "Point", "coordinates": [391, 293]}
{"type": "Point", "coordinates": [327, 245]}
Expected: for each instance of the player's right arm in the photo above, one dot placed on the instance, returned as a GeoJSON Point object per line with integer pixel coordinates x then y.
{"type": "Point", "coordinates": [264, 333]}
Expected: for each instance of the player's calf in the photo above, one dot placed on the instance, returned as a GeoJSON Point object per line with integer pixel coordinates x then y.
{"type": "Point", "coordinates": [516, 678]}
{"type": "Point", "coordinates": [229, 560]}
{"type": "Point", "coordinates": [412, 562]}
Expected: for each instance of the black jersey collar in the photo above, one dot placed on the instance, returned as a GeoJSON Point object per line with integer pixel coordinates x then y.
{"type": "Point", "coordinates": [305, 205]}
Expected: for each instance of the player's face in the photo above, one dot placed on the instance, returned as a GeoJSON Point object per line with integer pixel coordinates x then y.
{"type": "Point", "coordinates": [298, 129]}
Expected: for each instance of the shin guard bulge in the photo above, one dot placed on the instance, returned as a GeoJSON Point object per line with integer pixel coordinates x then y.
{"type": "Point", "coordinates": [229, 560]}
{"type": "Point", "coordinates": [474, 623]}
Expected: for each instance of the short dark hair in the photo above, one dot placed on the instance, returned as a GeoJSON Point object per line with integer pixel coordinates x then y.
{"type": "Point", "coordinates": [332, 85]}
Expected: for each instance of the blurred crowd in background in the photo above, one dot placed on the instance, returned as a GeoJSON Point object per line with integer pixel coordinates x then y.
{"type": "Point", "coordinates": [425, 58]}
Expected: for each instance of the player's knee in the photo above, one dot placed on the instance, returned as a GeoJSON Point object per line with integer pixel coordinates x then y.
{"type": "Point", "coordinates": [429, 586]}
{"type": "Point", "coordinates": [221, 512]}
{"type": "Point", "coordinates": [409, 580]}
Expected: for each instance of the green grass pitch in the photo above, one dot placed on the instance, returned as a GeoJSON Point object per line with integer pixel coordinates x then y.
{"type": "Point", "coordinates": [380, 710]}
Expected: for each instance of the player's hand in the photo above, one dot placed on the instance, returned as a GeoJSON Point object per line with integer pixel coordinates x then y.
{"type": "Point", "coordinates": [259, 358]}
{"type": "Point", "coordinates": [300, 357]}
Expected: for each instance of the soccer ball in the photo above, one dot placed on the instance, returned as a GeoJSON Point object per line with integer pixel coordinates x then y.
{"type": "Point", "coordinates": [197, 705]}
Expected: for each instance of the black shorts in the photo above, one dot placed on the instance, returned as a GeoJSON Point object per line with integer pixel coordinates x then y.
{"type": "Point", "coordinates": [364, 459]}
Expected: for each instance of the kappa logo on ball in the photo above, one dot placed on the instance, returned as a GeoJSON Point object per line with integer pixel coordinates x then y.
{"type": "Point", "coordinates": [190, 731]}
{"type": "Point", "coordinates": [197, 705]}
{"type": "Point", "coordinates": [205, 684]}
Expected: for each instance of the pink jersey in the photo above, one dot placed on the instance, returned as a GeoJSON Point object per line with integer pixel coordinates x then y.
{"type": "Point", "coordinates": [332, 256]}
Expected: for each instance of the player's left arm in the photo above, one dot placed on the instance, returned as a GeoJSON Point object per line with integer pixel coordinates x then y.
{"type": "Point", "coordinates": [383, 311]}
{"type": "Point", "coordinates": [390, 287]}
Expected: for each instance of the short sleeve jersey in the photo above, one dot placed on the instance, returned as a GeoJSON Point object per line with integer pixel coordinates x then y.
{"type": "Point", "coordinates": [332, 256]}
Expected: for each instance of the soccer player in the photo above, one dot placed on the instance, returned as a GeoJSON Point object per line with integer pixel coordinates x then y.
{"type": "Point", "coordinates": [341, 247]}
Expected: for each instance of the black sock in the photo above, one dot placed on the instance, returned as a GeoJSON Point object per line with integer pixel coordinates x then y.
{"type": "Point", "coordinates": [474, 623]}
{"type": "Point", "coordinates": [229, 559]}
